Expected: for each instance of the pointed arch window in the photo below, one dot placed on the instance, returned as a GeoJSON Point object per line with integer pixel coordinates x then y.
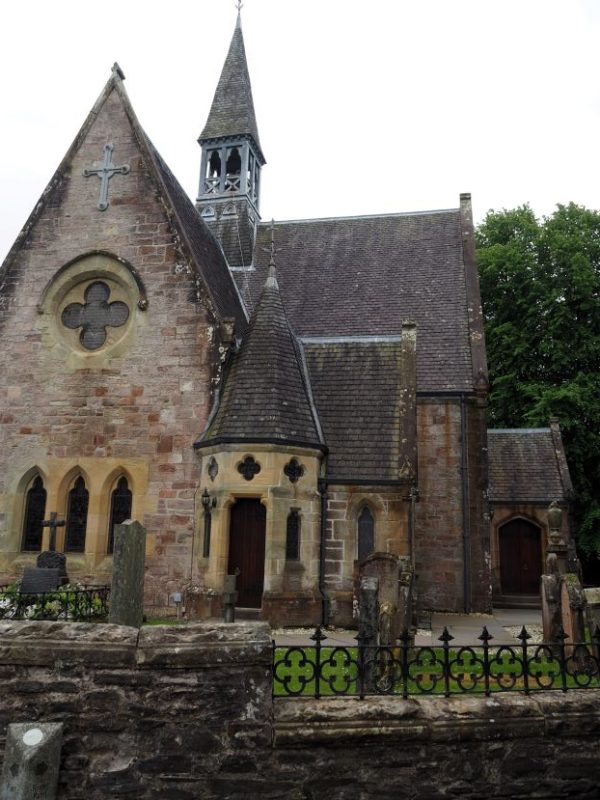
{"type": "Point", "coordinates": [120, 508]}
{"type": "Point", "coordinates": [77, 512]}
{"type": "Point", "coordinates": [292, 536]}
{"type": "Point", "coordinates": [35, 508]}
{"type": "Point", "coordinates": [366, 533]}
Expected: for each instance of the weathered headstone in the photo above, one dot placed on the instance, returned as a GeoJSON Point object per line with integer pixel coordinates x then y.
{"type": "Point", "coordinates": [394, 593]}
{"type": "Point", "coordinates": [36, 580]}
{"type": "Point", "coordinates": [572, 608]}
{"type": "Point", "coordinates": [31, 761]}
{"type": "Point", "coordinates": [230, 597]}
{"type": "Point", "coordinates": [592, 608]}
{"type": "Point", "coordinates": [550, 590]}
{"type": "Point", "coordinates": [50, 558]}
{"type": "Point", "coordinates": [127, 590]}
{"type": "Point", "coordinates": [368, 612]}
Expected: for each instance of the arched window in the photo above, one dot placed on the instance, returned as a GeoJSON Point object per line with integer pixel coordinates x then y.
{"type": "Point", "coordinates": [366, 533]}
{"type": "Point", "coordinates": [120, 508]}
{"type": "Point", "coordinates": [35, 508]}
{"type": "Point", "coordinates": [77, 511]}
{"type": "Point", "coordinates": [292, 536]}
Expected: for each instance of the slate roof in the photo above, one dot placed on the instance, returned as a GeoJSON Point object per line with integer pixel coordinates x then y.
{"type": "Point", "coordinates": [232, 110]}
{"type": "Point", "coordinates": [363, 275]}
{"type": "Point", "coordinates": [356, 388]}
{"type": "Point", "coordinates": [265, 393]}
{"type": "Point", "coordinates": [207, 253]}
{"type": "Point", "coordinates": [525, 466]}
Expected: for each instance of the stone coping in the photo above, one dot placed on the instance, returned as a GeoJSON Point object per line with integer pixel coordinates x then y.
{"type": "Point", "coordinates": [37, 643]}
{"type": "Point", "coordinates": [436, 719]}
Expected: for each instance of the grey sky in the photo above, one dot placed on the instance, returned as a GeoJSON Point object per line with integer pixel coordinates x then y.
{"type": "Point", "coordinates": [363, 107]}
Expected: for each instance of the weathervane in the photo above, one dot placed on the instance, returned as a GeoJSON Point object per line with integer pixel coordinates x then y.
{"type": "Point", "coordinates": [239, 5]}
{"type": "Point", "coordinates": [271, 249]}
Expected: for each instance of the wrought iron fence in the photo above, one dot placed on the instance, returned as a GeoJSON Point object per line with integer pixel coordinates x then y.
{"type": "Point", "coordinates": [404, 669]}
{"type": "Point", "coordinates": [88, 604]}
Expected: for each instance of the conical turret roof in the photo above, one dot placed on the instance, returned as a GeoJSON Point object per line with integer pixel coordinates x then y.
{"type": "Point", "coordinates": [266, 395]}
{"type": "Point", "coordinates": [232, 110]}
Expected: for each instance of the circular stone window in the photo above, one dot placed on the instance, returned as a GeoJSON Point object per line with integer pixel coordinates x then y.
{"type": "Point", "coordinates": [91, 306]}
{"type": "Point", "coordinates": [95, 316]}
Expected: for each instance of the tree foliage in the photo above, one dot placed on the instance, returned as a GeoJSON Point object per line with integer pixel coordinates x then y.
{"type": "Point", "coordinates": [540, 286]}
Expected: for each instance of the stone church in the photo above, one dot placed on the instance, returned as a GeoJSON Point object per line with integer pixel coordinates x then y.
{"type": "Point", "coordinates": [275, 399]}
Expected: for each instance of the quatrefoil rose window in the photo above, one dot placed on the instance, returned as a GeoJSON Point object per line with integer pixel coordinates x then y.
{"type": "Point", "coordinates": [95, 315]}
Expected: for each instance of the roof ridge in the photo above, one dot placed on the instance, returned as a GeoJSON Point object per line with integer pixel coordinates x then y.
{"type": "Point", "coordinates": [382, 215]}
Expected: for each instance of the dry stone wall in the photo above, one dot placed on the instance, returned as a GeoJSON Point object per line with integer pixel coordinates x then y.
{"type": "Point", "coordinates": [179, 713]}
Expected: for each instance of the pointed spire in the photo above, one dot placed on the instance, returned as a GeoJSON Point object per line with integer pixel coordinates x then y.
{"type": "Point", "coordinates": [265, 396]}
{"type": "Point", "coordinates": [232, 110]}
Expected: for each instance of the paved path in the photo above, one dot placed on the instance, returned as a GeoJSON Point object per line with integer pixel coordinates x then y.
{"type": "Point", "coordinates": [464, 627]}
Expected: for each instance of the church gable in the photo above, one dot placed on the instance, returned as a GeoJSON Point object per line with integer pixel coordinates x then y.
{"type": "Point", "coordinates": [109, 338]}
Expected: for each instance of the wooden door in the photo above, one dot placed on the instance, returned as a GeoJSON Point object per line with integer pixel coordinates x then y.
{"type": "Point", "coordinates": [247, 550]}
{"type": "Point", "coordinates": [520, 557]}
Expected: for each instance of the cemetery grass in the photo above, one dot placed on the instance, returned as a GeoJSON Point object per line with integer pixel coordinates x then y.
{"type": "Point", "coordinates": [339, 671]}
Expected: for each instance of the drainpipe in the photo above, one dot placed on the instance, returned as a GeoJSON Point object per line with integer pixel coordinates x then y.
{"type": "Point", "coordinates": [324, 599]}
{"type": "Point", "coordinates": [465, 508]}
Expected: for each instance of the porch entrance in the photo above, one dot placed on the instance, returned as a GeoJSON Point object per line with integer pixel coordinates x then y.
{"type": "Point", "coordinates": [247, 550]}
{"type": "Point", "coordinates": [520, 557]}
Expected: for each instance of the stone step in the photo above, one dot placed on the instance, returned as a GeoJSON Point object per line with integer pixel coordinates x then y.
{"type": "Point", "coordinates": [517, 601]}
{"type": "Point", "coordinates": [246, 614]}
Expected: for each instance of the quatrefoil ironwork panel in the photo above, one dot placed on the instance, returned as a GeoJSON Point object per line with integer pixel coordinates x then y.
{"type": "Point", "coordinates": [249, 468]}
{"type": "Point", "coordinates": [95, 315]}
{"type": "Point", "coordinates": [294, 470]}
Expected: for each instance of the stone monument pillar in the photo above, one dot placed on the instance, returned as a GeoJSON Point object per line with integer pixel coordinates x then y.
{"type": "Point", "coordinates": [31, 761]}
{"type": "Point", "coordinates": [127, 590]}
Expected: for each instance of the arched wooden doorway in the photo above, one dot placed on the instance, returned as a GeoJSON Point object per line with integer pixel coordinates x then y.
{"type": "Point", "coordinates": [520, 557]}
{"type": "Point", "coordinates": [247, 550]}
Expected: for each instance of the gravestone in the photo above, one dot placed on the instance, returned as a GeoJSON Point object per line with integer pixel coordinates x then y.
{"type": "Point", "coordinates": [50, 558]}
{"type": "Point", "coordinates": [230, 597]}
{"type": "Point", "coordinates": [572, 607]}
{"type": "Point", "coordinates": [31, 761]}
{"type": "Point", "coordinates": [36, 580]}
{"type": "Point", "coordinates": [395, 583]}
{"type": "Point", "coordinates": [592, 608]}
{"type": "Point", "coordinates": [368, 612]}
{"type": "Point", "coordinates": [127, 589]}
{"type": "Point", "coordinates": [551, 599]}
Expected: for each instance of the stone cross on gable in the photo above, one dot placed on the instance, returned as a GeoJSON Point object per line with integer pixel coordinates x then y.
{"type": "Point", "coordinates": [271, 248]}
{"type": "Point", "coordinates": [53, 523]}
{"type": "Point", "coordinates": [105, 173]}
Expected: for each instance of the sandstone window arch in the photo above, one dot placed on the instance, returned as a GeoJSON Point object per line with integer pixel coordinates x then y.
{"type": "Point", "coordinates": [78, 499]}
{"type": "Point", "coordinates": [33, 514]}
{"type": "Point", "coordinates": [292, 535]}
{"type": "Point", "coordinates": [365, 531]}
{"type": "Point", "coordinates": [121, 499]}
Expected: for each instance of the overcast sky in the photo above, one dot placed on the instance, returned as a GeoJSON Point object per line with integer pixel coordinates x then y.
{"type": "Point", "coordinates": [363, 106]}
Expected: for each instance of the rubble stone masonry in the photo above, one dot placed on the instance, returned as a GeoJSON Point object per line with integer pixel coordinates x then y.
{"type": "Point", "coordinates": [178, 713]}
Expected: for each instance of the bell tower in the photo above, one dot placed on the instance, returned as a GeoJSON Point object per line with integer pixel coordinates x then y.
{"type": "Point", "coordinates": [229, 191]}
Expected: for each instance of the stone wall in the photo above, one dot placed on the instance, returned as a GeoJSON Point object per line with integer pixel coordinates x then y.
{"type": "Point", "coordinates": [440, 549]}
{"type": "Point", "coordinates": [131, 408]}
{"type": "Point", "coordinates": [182, 713]}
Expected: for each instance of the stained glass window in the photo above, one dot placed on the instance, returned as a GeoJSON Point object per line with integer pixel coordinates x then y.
{"type": "Point", "coordinates": [35, 508]}
{"type": "Point", "coordinates": [77, 511]}
{"type": "Point", "coordinates": [292, 538]}
{"type": "Point", "coordinates": [366, 533]}
{"type": "Point", "coordinates": [120, 509]}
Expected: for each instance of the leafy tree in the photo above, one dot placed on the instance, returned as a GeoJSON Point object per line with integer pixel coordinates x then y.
{"type": "Point", "coordinates": [540, 285]}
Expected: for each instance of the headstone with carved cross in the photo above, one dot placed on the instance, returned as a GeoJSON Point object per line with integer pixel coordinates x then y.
{"type": "Point", "coordinates": [50, 559]}
{"type": "Point", "coordinates": [105, 173]}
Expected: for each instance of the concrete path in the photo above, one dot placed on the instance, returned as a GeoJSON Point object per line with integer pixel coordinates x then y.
{"type": "Point", "coordinates": [464, 627]}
